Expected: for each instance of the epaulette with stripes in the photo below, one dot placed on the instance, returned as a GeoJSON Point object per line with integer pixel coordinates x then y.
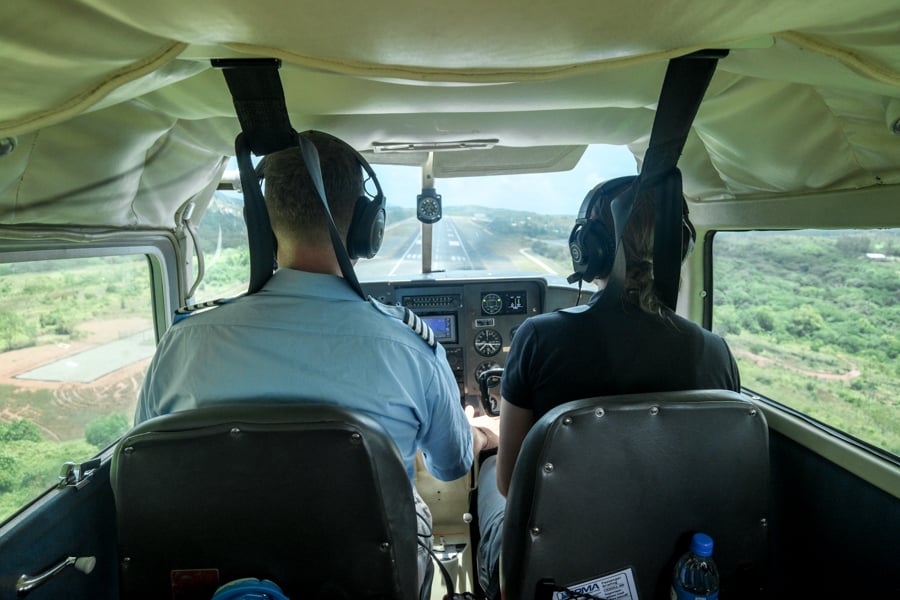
{"type": "Point", "coordinates": [411, 319]}
{"type": "Point", "coordinates": [186, 311]}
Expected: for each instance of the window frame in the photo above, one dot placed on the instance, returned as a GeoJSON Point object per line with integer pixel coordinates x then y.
{"type": "Point", "coordinates": [160, 250]}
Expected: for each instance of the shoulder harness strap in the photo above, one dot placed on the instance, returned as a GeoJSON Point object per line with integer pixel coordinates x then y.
{"type": "Point", "coordinates": [411, 319]}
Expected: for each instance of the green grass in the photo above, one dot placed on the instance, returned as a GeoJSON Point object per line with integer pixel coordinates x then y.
{"type": "Point", "coordinates": [33, 468]}
{"type": "Point", "coordinates": [869, 413]}
{"type": "Point", "coordinates": [822, 322]}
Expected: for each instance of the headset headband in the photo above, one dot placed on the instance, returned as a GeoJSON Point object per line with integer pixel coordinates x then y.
{"type": "Point", "coordinates": [359, 157]}
{"type": "Point", "coordinates": [606, 189]}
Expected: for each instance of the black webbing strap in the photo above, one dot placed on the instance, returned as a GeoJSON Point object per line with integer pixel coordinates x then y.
{"type": "Point", "coordinates": [259, 230]}
{"type": "Point", "coordinates": [311, 158]}
{"type": "Point", "coordinates": [265, 127]}
{"type": "Point", "coordinates": [259, 102]}
{"type": "Point", "coordinates": [684, 86]}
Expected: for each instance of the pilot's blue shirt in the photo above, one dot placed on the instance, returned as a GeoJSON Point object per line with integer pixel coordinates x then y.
{"type": "Point", "coordinates": [310, 335]}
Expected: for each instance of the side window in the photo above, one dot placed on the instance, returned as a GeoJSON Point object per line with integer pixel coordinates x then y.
{"type": "Point", "coordinates": [223, 240]}
{"type": "Point", "coordinates": [813, 318]}
{"type": "Point", "coordinates": [76, 336]}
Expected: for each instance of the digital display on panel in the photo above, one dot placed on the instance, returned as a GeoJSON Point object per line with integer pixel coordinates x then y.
{"type": "Point", "coordinates": [443, 326]}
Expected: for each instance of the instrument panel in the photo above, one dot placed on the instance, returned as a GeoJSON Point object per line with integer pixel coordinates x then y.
{"type": "Point", "coordinates": [474, 320]}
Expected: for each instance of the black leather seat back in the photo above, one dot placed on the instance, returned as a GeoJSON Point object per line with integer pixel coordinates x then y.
{"type": "Point", "coordinates": [312, 497]}
{"type": "Point", "coordinates": [605, 484]}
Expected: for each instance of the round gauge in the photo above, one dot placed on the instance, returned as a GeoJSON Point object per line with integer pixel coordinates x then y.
{"type": "Point", "coordinates": [485, 366]}
{"type": "Point", "coordinates": [491, 304]}
{"type": "Point", "coordinates": [428, 208]}
{"type": "Point", "coordinates": [488, 342]}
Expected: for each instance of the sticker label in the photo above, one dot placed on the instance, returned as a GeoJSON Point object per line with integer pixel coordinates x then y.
{"type": "Point", "coordinates": [614, 586]}
{"type": "Point", "coordinates": [194, 583]}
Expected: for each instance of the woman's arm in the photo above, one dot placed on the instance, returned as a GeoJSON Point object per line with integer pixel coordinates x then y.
{"type": "Point", "coordinates": [515, 423]}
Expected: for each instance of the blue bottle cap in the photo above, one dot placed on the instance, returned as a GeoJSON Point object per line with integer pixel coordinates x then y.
{"type": "Point", "coordinates": [702, 545]}
{"type": "Point", "coordinates": [249, 588]}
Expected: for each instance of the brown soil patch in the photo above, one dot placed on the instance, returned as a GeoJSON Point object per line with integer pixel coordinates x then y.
{"type": "Point", "coordinates": [764, 361]}
{"type": "Point", "coordinates": [114, 392]}
{"type": "Point", "coordinates": [93, 333]}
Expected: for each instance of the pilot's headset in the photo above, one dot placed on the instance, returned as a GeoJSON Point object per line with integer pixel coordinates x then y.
{"type": "Point", "coordinates": [593, 245]}
{"type": "Point", "coordinates": [366, 231]}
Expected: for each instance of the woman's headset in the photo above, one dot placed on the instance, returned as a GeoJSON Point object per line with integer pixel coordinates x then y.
{"type": "Point", "coordinates": [593, 245]}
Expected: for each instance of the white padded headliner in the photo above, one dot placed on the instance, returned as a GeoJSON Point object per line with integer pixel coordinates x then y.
{"type": "Point", "coordinates": [119, 119]}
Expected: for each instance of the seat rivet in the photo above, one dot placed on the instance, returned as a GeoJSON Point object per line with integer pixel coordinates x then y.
{"type": "Point", "coordinates": [548, 468]}
{"type": "Point", "coordinates": [764, 522]}
{"type": "Point", "coordinates": [752, 412]}
{"type": "Point", "coordinates": [7, 145]}
{"type": "Point", "coordinates": [385, 546]}
{"type": "Point", "coordinates": [567, 421]}
{"type": "Point", "coordinates": [535, 530]}
{"type": "Point", "coordinates": [128, 449]}
{"type": "Point", "coordinates": [654, 410]}
{"type": "Point", "coordinates": [355, 437]}
{"type": "Point", "coordinates": [235, 430]}
{"type": "Point", "coordinates": [599, 412]}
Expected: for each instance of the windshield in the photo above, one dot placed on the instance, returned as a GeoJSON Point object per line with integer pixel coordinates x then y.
{"type": "Point", "coordinates": [499, 225]}
{"type": "Point", "coordinates": [495, 225]}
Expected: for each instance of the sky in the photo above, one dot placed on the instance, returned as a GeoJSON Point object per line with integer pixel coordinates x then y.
{"type": "Point", "coordinates": [548, 193]}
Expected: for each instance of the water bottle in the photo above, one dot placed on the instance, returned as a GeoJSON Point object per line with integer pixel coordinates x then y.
{"type": "Point", "coordinates": [696, 576]}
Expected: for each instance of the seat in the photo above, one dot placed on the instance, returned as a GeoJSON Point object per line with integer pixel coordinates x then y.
{"type": "Point", "coordinates": [312, 497]}
{"type": "Point", "coordinates": [617, 485]}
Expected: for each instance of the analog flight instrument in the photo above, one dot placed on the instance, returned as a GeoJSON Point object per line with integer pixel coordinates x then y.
{"type": "Point", "coordinates": [491, 304]}
{"type": "Point", "coordinates": [488, 342]}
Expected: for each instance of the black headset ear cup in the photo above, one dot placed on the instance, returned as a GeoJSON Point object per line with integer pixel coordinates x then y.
{"type": "Point", "coordinates": [366, 230]}
{"type": "Point", "coordinates": [576, 248]}
{"type": "Point", "coordinates": [591, 244]}
{"type": "Point", "coordinates": [592, 249]}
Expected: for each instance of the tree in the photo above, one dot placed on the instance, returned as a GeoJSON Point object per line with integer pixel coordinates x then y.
{"type": "Point", "coordinates": [765, 319]}
{"type": "Point", "coordinates": [10, 473]}
{"type": "Point", "coordinates": [106, 429]}
{"type": "Point", "coordinates": [19, 430]}
{"type": "Point", "coordinates": [854, 245]}
{"type": "Point", "coordinates": [12, 326]}
{"type": "Point", "coordinates": [726, 320]}
{"type": "Point", "coordinates": [805, 322]}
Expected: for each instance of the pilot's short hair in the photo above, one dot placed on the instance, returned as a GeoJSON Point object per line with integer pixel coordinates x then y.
{"type": "Point", "coordinates": [293, 204]}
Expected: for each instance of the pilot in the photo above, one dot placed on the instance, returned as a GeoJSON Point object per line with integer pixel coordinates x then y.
{"type": "Point", "coordinates": [633, 345]}
{"type": "Point", "coordinates": [308, 334]}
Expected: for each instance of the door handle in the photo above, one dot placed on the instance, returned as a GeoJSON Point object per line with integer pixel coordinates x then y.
{"type": "Point", "coordinates": [26, 583]}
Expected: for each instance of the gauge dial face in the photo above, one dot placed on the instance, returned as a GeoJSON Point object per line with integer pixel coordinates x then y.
{"type": "Point", "coordinates": [485, 366]}
{"type": "Point", "coordinates": [429, 209]}
{"type": "Point", "coordinates": [491, 304]}
{"type": "Point", "coordinates": [488, 342]}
